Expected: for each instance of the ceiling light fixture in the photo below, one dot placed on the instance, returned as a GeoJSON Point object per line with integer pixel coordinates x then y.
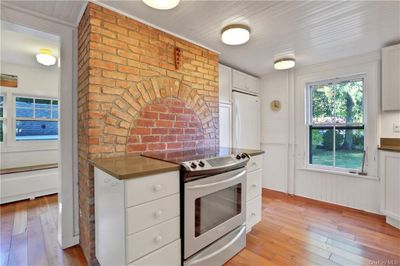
{"type": "Point", "coordinates": [284, 63]}
{"type": "Point", "coordinates": [162, 4]}
{"type": "Point", "coordinates": [235, 34]}
{"type": "Point", "coordinates": [45, 57]}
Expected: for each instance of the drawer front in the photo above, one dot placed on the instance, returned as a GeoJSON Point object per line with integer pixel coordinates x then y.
{"type": "Point", "coordinates": [253, 212]}
{"type": "Point", "coordinates": [255, 163]}
{"type": "Point", "coordinates": [151, 213]}
{"type": "Point", "coordinates": [253, 184]}
{"type": "Point", "coordinates": [170, 255]}
{"type": "Point", "coordinates": [153, 238]}
{"type": "Point", "coordinates": [148, 188]}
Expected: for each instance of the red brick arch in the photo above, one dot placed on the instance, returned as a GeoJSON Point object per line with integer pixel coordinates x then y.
{"type": "Point", "coordinates": [160, 110]}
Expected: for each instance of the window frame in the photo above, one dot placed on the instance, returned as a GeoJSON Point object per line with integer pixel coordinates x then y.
{"type": "Point", "coordinates": [3, 118]}
{"type": "Point", "coordinates": [14, 124]}
{"type": "Point", "coordinates": [333, 126]}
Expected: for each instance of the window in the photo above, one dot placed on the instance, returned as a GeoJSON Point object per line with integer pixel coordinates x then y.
{"type": "Point", "coordinates": [336, 123]}
{"type": "Point", "coordinates": [2, 118]}
{"type": "Point", "coordinates": [36, 119]}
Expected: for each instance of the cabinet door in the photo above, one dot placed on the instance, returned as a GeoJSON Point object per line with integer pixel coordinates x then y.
{"type": "Point", "coordinates": [239, 80]}
{"type": "Point", "coordinates": [225, 84]}
{"type": "Point", "coordinates": [225, 125]}
{"type": "Point", "coordinates": [252, 84]}
{"type": "Point", "coordinates": [391, 78]}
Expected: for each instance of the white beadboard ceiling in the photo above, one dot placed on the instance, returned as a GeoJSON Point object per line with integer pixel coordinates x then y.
{"type": "Point", "coordinates": [315, 31]}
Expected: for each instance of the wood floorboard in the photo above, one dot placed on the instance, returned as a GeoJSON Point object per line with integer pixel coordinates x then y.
{"type": "Point", "coordinates": [293, 231]}
{"type": "Point", "coordinates": [29, 235]}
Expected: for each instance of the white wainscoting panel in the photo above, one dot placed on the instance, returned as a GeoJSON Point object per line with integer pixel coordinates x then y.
{"type": "Point", "coordinates": [275, 166]}
{"type": "Point", "coordinates": [355, 192]}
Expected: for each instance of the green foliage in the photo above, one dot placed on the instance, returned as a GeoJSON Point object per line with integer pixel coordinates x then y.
{"type": "Point", "coordinates": [327, 142]}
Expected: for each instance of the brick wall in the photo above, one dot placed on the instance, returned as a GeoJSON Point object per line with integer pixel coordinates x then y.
{"type": "Point", "coordinates": [131, 98]}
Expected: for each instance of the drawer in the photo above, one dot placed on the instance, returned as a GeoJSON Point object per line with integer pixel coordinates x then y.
{"type": "Point", "coordinates": [170, 255]}
{"type": "Point", "coordinates": [253, 212]}
{"type": "Point", "coordinates": [255, 163]}
{"type": "Point", "coordinates": [148, 188]}
{"type": "Point", "coordinates": [144, 242]}
{"type": "Point", "coordinates": [253, 184]}
{"type": "Point", "coordinates": [151, 213]}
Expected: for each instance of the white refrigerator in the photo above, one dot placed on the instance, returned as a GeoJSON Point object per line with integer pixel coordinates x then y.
{"type": "Point", "coordinates": [246, 120]}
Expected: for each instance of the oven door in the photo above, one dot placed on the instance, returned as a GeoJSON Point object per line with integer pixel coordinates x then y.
{"type": "Point", "coordinates": [214, 206]}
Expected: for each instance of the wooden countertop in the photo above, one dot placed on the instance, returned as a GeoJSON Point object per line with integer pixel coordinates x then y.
{"type": "Point", "coordinates": [131, 166]}
{"type": "Point", "coordinates": [28, 168]}
{"type": "Point", "coordinates": [390, 144]}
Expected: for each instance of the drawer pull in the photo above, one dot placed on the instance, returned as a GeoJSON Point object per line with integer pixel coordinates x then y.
{"type": "Point", "coordinates": [158, 214]}
{"type": "Point", "coordinates": [157, 188]}
{"type": "Point", "coordinates": [254, 164]}
{"type": "Point", "coordinates": [157, 239]}
{"type": "Point", "coordinates": [254, 185]}
{"type": "Point", "coordinates": [253, 214]}
{"type": "Point", "coordinates": [113, 184]}
{"type": "Point", "coordinates": [106, 180]}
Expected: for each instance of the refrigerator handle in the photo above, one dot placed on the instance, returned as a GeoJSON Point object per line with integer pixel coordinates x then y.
{"type": "Point", "coordinates": [237, 125]}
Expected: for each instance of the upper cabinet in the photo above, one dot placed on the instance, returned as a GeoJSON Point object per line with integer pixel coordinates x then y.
{"type": "Point", "coordinates": [244, 82]}
{"type": "Point", "coordinates": [391, 78]}
{"type": "Point", "coordinates": [225, 84]}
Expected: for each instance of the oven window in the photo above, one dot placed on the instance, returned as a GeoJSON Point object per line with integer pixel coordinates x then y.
{"type": "Point", "coordinates": [216, 208]}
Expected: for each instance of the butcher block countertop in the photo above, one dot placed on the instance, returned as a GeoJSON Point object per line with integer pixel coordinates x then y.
{"type": "Point", "coordinates": [390, 144]}
{"type": "Point", "coordinates": [131, 166]}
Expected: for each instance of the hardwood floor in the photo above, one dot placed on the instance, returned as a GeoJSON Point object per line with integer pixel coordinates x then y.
{"type": "Point", "coordinates": [29, 235]}
{"type": "Point", "coordinates": [293, 231]}
{"type": "Point", "coordinates": [299, 231]}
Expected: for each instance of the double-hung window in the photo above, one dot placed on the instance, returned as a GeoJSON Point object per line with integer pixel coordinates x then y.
{"type": "Point", "coordinates": [36, 118]}
{"type": "Point", "coordinates": [336, 123]}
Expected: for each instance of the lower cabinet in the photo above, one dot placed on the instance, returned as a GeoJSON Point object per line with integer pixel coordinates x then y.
{"type": "Point", "coordinates": [389, 173]}
{"type": "Point", "coordinates": [254, 191]}
{"type": "Point", "coordinates": [137, 220]}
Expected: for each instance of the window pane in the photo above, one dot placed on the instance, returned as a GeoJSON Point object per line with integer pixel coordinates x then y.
{"type": "Point", "coordinates": [36, 130]}
{"type": "Point", "coordinates": [55, 102]}
{"type": "Point", "coordinates": [1, 130]}
{"type": "Point", "coordinates": [322, 103]}
{"type": "Point", "coordinates": [42, 103]}
{"type": "Point", "coordinates": [43, 113]}
{"type": "Point", "coordinates": [24, 112]}
{"type": "Point", "coordinates": [24, 102]}
{"type": "Point", "coordinates": [321, 148]}
{"type": "Point", "coordinates": [1, 111]}
{"type": "Point", "coordinates": [55, 113]}
{"type": "Point", "coordinates": [349, 102]}
{"type": "Point", "coordinates": [349, 148]}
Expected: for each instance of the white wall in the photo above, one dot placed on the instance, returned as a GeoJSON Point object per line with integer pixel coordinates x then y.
{"type": "Point", "coordinates": [284, 135]}
{"type": "Point", "coordinates": [387, 120]}
{"type": "Point", "coordinates": [32, 81]}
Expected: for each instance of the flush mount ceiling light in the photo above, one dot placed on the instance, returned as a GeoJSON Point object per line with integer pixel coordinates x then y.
{"type": "Point", "coordinates": [45, 57]}
{"type": "Point", "coordinates": [284, 63]}
{"type": "Point", "coordinates": [235, 34]}
{"type": "Point", "coordinates": [162, 4]}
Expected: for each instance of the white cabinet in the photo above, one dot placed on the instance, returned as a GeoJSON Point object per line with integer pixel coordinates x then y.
{"type": "Point", "coordinates": [225, 125]}
{"type": "Point", "coordinates": [389, 172]}
{"type": "Point", "coordinates": [225, 84]}
{"type": "Point", "coordinates": [245, 82]}
{"type": "Point", "coordinates": [254, 191]}
{"type": "Point", "coordinates": [391, 78]}
{"type": "Point", "coordinates": [138, 219]}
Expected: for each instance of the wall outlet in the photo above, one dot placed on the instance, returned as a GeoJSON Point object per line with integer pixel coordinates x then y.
{"type": "Point", "coordinates": [396, 127]}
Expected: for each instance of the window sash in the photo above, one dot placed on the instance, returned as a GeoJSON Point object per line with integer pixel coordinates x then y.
{"type": "Point", "coordinates": [53, 107]}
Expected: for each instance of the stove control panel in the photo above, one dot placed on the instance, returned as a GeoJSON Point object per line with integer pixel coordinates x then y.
{"type": "Point", "coordinates": [216, 162]}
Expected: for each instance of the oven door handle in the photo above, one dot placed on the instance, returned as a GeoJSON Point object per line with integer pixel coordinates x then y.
{"type": "Point", "coordinates": [213, 254]}
{"type": "Point", "coordinates": [219, 182]}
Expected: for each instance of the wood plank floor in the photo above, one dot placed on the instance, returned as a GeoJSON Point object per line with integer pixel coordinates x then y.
{"type": "Point", "coordinates": [299, 231]}
{"type": "Point", "coordinates": [293, 231]}
{"type": "Point", "coordinates": [29, 235]}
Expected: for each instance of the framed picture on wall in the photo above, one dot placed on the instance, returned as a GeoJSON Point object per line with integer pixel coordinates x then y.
{"type": "Point", "coordinates": [7, 80]}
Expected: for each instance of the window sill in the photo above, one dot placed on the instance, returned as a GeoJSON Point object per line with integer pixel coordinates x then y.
{"type": "Point", "coordinates": [332, 172]}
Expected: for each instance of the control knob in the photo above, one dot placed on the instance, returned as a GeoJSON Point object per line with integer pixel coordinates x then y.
{"type": "Point", "coordinates": [238, 157]}
{"type": "Point", "coordinates": [201, 164]}
{"type": "Point", "coordinates": [193, 165]}
{"type": "Point", "coordinates": [243, 155]}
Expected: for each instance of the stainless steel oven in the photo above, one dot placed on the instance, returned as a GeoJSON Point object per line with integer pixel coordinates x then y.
{"type": "Point", "coordinates": [214, 206]}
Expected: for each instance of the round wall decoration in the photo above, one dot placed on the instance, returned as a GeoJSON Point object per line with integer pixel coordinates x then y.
{"type": "Point", "coordinates": [275, 105]}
